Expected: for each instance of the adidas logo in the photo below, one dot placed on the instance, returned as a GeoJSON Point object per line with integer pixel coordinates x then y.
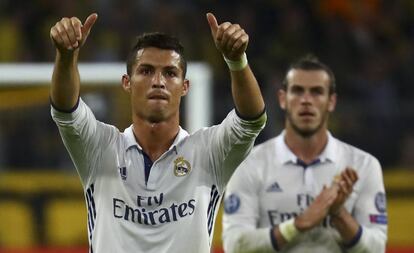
{"type": "Point", "coordinates": [274, 188]}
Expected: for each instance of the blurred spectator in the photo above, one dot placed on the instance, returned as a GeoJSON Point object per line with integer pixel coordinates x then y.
{"type": "Point", "coordinates": [407, 148]}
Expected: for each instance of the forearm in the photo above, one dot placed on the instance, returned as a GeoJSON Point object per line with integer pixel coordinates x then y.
{"type": "Point", "coordinates": [65, 80]}
{"type": "Point", "coordinates": [358, 238]}
{"type": "Point", "coordinates": [346, 225]}
{"type": "Point", "coordinates": [246, 93]}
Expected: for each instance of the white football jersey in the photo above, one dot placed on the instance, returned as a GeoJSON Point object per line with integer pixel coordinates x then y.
{"type": "Point", "coordinates": [272, 185]}
{"type": "Point", "coordinates": [171, 209]}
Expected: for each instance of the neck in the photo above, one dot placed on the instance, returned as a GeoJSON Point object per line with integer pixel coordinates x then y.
{"type": "Point", "coordinates": [155, 138]}
{"type": "Point", "coordinates": [306, 148]}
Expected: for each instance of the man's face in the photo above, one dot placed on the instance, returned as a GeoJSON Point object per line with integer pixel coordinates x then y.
{"type": "Point", "coordinates": [156, 84]}
{"type": "Point", "coordinates": [307, 101]}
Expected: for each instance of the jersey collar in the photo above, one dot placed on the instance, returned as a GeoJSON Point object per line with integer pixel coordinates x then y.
{"type": "Point", "coordinates": [131, 142]}
{"type": "Point", "coordinates": [329, 154]}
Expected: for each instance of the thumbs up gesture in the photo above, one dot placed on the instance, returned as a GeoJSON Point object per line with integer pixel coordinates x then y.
{"type": "Point", "coordinates": [69, 33]}
{"type": "Point", "coordinates": [230, 39]}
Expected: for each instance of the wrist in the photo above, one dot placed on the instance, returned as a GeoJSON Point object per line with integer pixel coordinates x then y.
{"type": "Point", "coordinates": [237, 65]}
{"type": "Point", "coordinates": [302, 224]}
{"type": "Point", "coordinates": [351, 243]}
{"type": "Point", "coordinates": [338, 214]}
{"type": "Point", "coordinates": [67, 55]}
{"type": "Point", "coordinates": [288, 230]}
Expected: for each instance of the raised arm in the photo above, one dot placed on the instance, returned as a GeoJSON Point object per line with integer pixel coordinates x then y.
{"type": "Point", "coordinates": [231, 40]}
{"type": "Point", "coordinates": [68, 35]}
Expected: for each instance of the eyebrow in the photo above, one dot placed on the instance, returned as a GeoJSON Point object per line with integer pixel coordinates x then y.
{"type": "Point", "coordinates": [172, 67]}
{"type": "Point", "coordinates": [318, 86]}
{"type": "Point", "coordinates": [154, 66]}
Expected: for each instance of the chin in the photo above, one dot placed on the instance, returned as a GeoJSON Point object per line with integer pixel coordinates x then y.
{"type": "Point", "coordinates": [156, 117]}
{"type": "Point", "coordinates": [305, 131]}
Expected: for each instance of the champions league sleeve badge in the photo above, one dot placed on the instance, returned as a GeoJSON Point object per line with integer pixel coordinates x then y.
{"type": "Point", "coordinates": [231, 204]}
{"type": "Point", "coordinates": [181, 167]}
{"type": "Point", "coordinates": [380, 202]}
{"type": "Point", "coordinates": [381, 206]}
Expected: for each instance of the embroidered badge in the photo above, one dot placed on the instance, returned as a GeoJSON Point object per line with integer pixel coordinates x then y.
{"type": "Point", "coordinates": [380, 202]}
{"type": "Point", "coordinates": [378, 219]}
{"type": "Point", "coordinates": [181, 167]}
{"type": "Point", "coordinates": [231, 204]}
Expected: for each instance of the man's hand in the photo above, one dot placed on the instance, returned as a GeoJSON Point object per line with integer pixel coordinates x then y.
{"type": "Point", "coordinates": [230, 39]}
{"type": "Point", "coordinates": [69, 33]}
{"type": "Point", "coordinates": [318, 210]}
{"type": "Point", "coordinates": [345, 182]}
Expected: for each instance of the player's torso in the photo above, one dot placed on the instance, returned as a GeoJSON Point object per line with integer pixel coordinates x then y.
{"type": "Point", "coordinates": [169, 211]}
{"type": "Point", "coordinates": [287, 189]}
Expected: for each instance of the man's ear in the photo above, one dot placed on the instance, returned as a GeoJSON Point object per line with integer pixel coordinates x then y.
{"type": "Point", "coordinates": [281, 95]}
{"type": "Point", "coordinates": [126, 84]}
{"type": "Point", "coordinates": [332, 102]}
{"type": "Point", "coordinates": [186, 87]}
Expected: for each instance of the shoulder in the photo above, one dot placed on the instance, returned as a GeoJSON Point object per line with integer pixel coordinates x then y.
{"type": "Point", "coordinates": [261, 155]}
{"type": "Point", "coordinates": [198, 138]}
{"type": "Point", "coordinates": [268, 146]}
{"type": "Point", "coordinates": [356, 157]}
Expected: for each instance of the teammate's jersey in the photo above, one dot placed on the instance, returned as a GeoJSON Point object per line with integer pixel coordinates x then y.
{"type": "Point", "coordinates": [273, 185]}
{"type": "Point", "coordinates": [170, 209]}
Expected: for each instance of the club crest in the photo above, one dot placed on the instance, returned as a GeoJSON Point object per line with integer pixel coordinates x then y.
{"type": "Point", "coordinates": [181, 167]}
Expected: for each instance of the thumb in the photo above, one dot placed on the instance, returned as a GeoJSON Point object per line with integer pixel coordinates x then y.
{"type": "Point", "coordinates": [212, 21]}
{"type": "Point", "coordinates": [89, 22]}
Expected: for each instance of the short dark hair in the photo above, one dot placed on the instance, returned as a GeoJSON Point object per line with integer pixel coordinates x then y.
{"type": "Point", "coordinates": [158, 40]}
{"type": "Point", "coordinates": [311, 62]}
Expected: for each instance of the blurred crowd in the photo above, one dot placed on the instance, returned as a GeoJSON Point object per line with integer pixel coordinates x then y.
{"type": "Point", "coordinates": [369, 45]}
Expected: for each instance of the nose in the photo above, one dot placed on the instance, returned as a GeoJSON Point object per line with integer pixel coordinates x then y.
{"type": "Point", "coordinates": [158, 81]}
{"type": "Point", "coordinates": [306, 98]}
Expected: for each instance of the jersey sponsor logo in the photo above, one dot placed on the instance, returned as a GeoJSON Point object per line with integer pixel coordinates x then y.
{"type": "Point", "coordinates": [274, 187]}
{"type": "Point", "coordinates": [181, 167]}
{"type": "Point", "coordinates": [162, 214]}
{"type": "Point", "coordinates": [123, 173]}
{"type": "Point", "coordinates": [150, 200]}
{"type": "Point", "coordinates": [232, 203]}
{"type": "Point", "coordinates": [303, 200]}
{"type": "Point", "coordinates": [380, 202]}
{"type": "Point", "coordinates": [378, 219]}
{"type": "Point", "coordinates": [276, 217]}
